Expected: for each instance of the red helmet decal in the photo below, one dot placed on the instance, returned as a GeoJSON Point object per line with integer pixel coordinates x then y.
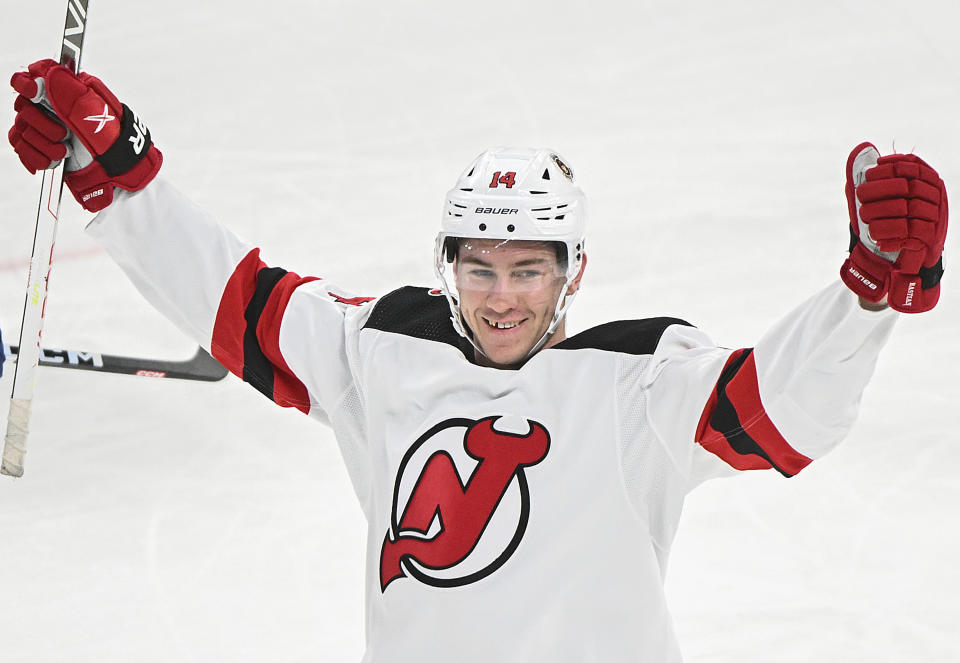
{"type": "Point", "coordinates": [507, 179]}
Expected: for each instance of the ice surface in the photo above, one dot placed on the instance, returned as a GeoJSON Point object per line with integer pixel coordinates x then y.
{"type": "Point", "coordinates": [162, 521]}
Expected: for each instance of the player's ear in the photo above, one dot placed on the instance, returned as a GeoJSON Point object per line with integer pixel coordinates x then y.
{"type": "Point", "coordinates": [575, 284]}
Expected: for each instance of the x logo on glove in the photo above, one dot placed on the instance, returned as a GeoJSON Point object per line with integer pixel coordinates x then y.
{"type": "Point", "coordinates": [103, 118]}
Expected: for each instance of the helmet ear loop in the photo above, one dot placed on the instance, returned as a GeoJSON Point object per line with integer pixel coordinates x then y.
{"type": "Point", "coordinates": [456, 315]}
{"type": "Point", "coordinates": [563, 303]}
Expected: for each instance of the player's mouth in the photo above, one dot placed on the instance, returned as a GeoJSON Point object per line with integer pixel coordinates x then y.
{"type": "Point", "coordinates": [503, 325]}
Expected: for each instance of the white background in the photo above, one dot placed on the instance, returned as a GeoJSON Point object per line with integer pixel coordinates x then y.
{"type": "Point", "coordinates": [176, 521]}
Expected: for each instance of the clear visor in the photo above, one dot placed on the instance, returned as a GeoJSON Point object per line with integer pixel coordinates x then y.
{"type": "Point", "coordinates": [505, 265]}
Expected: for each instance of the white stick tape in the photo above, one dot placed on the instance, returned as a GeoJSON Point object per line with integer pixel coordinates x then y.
{"type": "Point", "coordinates": [15, 444]}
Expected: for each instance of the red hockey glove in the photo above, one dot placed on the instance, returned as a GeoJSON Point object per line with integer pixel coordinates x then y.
{"type": "Point", "coordinates": [898, 224]}
{"type": "Point", "coordinates": [109, 145]}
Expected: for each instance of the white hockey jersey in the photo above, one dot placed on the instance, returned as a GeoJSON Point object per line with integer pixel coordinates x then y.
{"type": "Point", "coordinates": [513, 515]}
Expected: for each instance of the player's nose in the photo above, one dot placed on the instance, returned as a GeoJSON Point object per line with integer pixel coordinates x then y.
{"type": "Point", "coordinates": [501, 297]}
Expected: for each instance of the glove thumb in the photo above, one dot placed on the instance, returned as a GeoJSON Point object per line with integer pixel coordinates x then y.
{"type": "Point", "coordinates": [90, 110]}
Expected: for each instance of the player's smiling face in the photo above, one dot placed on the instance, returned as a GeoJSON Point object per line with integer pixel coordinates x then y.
{"type": "Point", "coordinates": [508, 292]}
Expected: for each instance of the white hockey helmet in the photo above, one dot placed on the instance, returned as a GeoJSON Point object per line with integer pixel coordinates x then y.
{"type": "Point", "coordinates": [514, 194]}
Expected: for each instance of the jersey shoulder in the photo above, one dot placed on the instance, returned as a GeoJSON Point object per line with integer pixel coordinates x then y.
{"type": "Point", "coordinates": [636, 337]}
{"type": "Point", "coordinates": [423, 313]}
{"type": "Point", "coordinates": [416, 312]}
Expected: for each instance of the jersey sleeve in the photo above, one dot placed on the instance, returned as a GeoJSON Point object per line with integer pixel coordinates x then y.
{"type": "Point", "coordinates": [779, 405]}
{"type": "Point", "coordinates": [286, 335]}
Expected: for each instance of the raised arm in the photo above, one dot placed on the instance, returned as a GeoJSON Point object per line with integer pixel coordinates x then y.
{"type": "Point", "coordinates": [795, 395]}
{"type": "Point", "coordinates": [285, 335]}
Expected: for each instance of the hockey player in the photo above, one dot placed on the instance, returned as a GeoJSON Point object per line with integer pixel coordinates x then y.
{"type": "Point", "coordinates": [510, 517]}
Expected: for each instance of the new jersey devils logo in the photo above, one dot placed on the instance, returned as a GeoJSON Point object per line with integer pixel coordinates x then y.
{"type": "Point", "coordinates": [448, 532]}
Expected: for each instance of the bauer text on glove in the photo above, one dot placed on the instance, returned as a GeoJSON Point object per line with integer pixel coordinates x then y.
{"type": "Point", "coordinates": [898, 225]}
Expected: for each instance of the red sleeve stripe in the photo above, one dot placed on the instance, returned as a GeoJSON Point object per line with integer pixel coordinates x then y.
{"type": "Point", "coordinates": [246, 334]}
{"type": "Point", "coordinates": [735, 426]}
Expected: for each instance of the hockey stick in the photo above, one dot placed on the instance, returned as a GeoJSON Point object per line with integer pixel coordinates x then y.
{"type": "Point", "coordinates": [18, 422]}
{"type": "Point", "coordinates": [201, 366]}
